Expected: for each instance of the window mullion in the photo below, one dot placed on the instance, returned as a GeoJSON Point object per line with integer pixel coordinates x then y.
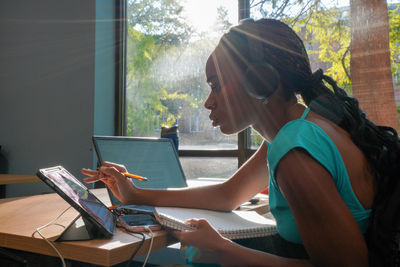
{"type": "Point", "coordinates": [244, 142]}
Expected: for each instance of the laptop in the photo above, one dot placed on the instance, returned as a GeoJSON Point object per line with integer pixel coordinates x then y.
{"type": "Point", "coordinates": [153, 158]}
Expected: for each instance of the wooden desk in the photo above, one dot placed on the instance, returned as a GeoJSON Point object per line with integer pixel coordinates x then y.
{"type": "Point", "coordinates": [21, 216]}
{"type": "Point", "coordinates": [17, 179]}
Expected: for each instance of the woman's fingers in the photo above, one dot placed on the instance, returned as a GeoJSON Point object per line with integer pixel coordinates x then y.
{"type": "Point", "coordinates": [198, 223]}
{"type": "Point", "coordinates": [182, 235]}
{"type": "Point", "coordinates": [202, 235]}
{"type": "Point", "coordinates": [112, 178]}
{"type": "Point", "coordinates": [89, 172]}
{"type": "Point", "coordinates": [112, 171]}
{"type": "Point", "coordinates": [93, 175]}
{"type": "Point", "coordinates": [194, 222]}
{"type": "Point", "coordinates": [104, 173]}
{"type": "Point", "coordinates": [91, 179]}
{"type": "Point", "coordinates": [107, 170]}
{"type": "Point", "coordinates": [111, 175]}
{"type": "Point", "coordinates": [119, 167]}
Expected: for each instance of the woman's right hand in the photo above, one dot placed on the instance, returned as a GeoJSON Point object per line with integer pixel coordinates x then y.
{"type": "Point", "coordinates": [111, 174]}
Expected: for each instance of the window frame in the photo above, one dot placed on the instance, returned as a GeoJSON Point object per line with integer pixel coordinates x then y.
{"type": "Point", "coordinates": [120, 67]}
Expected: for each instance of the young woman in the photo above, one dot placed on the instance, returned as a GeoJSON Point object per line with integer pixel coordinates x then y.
{"type": "Point", "coordinates": [331, 173]}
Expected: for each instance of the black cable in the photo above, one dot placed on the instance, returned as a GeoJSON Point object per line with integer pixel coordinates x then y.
{"type": "Point", "coordinates": [137, 249]}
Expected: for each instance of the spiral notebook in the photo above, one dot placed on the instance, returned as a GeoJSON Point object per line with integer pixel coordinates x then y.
{"type": "Point", "coordinates": [233, 225]}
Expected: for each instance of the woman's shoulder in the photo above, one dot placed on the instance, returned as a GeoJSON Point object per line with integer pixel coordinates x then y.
{"type": "Point", "coordinates": [304, 135]}
{"type": "Point", "coordinates": [340, 137]}
{"type": "Point", "coordinates": [322, 139]}
{"type": "Point", "coordinates": [303, 132]}
{"type": "Point", "coordinates": [351, 154]}
{"type": "Point", "coordinates": [356, 164]}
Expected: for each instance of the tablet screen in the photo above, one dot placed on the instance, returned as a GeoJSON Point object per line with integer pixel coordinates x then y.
{"type": "Point", "coordinates": [76, 194]}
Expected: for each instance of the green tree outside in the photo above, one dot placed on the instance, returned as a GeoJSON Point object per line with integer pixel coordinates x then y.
{"type": "Point", "coordinates": [158, 35]}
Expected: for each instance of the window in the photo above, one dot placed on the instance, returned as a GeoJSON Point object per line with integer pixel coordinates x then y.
{"type": "Point", "coordinates": [325, 28]}
{"type": "Point", "coordinates": [168, 43]}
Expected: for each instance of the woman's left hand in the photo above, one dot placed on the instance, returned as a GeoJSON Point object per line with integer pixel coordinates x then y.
{"type": "Point", "coordinates": [203, 236]}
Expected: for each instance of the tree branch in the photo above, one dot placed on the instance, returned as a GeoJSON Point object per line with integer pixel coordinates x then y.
{"type": "Point", "coordinates": [344, 65]}
{"type": "Point", "coordinates": [282, 8]}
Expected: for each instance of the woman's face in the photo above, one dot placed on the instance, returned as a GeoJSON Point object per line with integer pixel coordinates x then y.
{"type": "Point", "coordinates": [231, 107]}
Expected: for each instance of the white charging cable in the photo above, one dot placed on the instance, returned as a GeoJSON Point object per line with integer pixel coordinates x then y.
{"type": "Point", "coordinates": [151, 244]}
{"type": "Point", "coordinates": [48, 242]}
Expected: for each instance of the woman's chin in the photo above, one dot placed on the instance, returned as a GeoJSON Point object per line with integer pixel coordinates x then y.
{"type": "Point", "coordinates": [226, 130]}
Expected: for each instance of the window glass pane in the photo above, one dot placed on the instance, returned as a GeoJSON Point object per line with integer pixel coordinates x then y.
{"type": "Point", "coordinates": [255, 139]}
{"type": "Point", "coordinates": [167, 48]}
{"type": "Point", "coordinates": [211, 167]}
{"type": "Point", "coordinates": [324, 27]}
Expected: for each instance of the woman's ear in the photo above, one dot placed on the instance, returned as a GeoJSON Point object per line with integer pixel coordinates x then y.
{"type": "Point", "coordinates": [261, 80]}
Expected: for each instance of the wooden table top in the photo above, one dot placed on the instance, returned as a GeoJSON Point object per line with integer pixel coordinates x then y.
{"type": "Point", "coordinates": [18, 178]}
{"type": "Point", "coordinates": [21, 216]}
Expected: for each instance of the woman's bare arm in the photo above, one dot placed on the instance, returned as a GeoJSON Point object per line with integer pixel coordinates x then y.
{"type": "Point", "coordinates": [249, 180]}
{"type": "Point", "coordinates": [327, 228]}
{"type": "Point", "coordinates": [228, 252]}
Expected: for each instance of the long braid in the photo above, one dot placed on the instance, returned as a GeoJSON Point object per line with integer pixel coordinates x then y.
{"type": "Point", "coordinates": [381, 147]}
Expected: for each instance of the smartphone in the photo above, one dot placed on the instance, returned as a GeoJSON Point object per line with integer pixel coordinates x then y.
{"type": "Point", "coordinates": [139, 222]}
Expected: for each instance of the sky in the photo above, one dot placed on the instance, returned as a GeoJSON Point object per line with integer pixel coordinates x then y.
{"type": "Point", "coordinates": [202, 13]}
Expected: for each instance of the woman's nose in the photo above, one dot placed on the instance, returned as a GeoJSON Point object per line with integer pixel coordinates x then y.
{"type": "Point", "coordinates": [210, 102]}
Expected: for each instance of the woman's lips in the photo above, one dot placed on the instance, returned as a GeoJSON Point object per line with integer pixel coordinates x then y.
{"type": "Point", "coordinates": [214, 120]}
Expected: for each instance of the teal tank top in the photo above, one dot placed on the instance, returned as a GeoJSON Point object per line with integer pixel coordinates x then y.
{"type": "Point", "coordinates": [307, 135]}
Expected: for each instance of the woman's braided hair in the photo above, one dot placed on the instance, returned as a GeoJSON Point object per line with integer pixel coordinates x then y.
{"type": "Point", "coordinates": [380, 144]}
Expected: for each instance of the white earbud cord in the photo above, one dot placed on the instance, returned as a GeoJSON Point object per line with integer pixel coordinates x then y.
{"type": "Point", "coordinates": [48, 242]}
{"type": "Point", "coordinates": [151, 244]}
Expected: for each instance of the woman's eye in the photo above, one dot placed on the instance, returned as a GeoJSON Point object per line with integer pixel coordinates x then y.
{"type": "Point", "coordinates": [215, 87]}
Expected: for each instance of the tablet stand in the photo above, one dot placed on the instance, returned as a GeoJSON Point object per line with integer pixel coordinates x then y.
{"type": "Point", "coordinates": [80, 229]}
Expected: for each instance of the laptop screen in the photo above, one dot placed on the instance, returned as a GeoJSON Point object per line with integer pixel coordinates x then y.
{"type": "Point", "coordinates": [153, 158]}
